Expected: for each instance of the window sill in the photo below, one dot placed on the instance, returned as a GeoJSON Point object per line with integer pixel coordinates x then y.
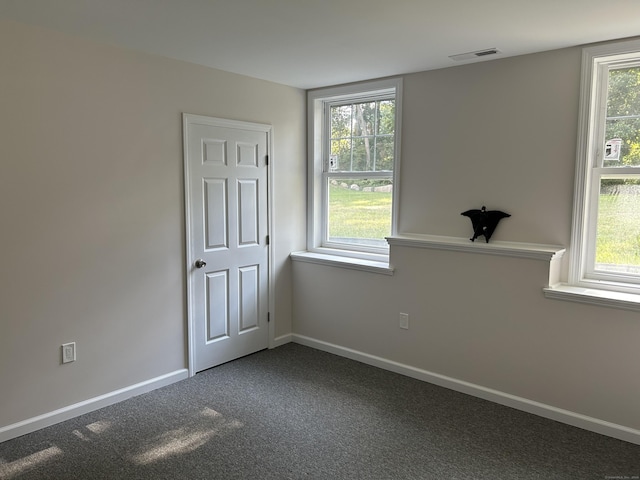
{"type": "Point", "coordinates": [592, 296]}
{"type": "Point", "coordinates": [373, 266]}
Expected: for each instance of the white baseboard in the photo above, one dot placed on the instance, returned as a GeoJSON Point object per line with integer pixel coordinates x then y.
{"type": "Point", "coordinates": [71, 411]}
{"type": "Point", "coordinates": [530, 406]}
{"type": "Point", "coordinates": [279, 341]}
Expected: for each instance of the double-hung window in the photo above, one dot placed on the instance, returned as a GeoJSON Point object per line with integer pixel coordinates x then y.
{"type": "Point", "coordinates": [606, 231]}
{"type": "Point", "coordinates": [354, 146]}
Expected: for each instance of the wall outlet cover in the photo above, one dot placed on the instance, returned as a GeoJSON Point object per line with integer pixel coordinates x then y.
{"type": "Point", "coordinates": [404, 321]}
{"type": "Point", "coordinates": [69, 352]}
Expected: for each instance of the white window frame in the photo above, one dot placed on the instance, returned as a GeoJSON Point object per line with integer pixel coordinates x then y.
{"type": "Point", "coordinates": [596, 62]}
{"type": "Point", "coordinates": [318, 101]}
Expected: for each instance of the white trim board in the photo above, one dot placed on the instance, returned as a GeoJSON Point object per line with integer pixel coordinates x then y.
{"type": "Point", "coordinates": [282, 340]}
{"type": "Point", "coordinates": [530, 406]}
{"type": "Point", "coordinates": [41, 421]}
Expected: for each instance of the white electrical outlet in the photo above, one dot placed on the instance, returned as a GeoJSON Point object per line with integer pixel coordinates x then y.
{"type": "Point", "coordinates": [69, 352]}
{"type": "Point", "coordinates": [404, 321]}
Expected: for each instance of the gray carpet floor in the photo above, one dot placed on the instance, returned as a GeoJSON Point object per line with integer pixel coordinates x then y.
{"type": "Point", "coordinates": [299, 413]}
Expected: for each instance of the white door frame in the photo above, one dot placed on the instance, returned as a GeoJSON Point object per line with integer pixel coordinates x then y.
{"type": "Point", "coordinates": [188, 118]}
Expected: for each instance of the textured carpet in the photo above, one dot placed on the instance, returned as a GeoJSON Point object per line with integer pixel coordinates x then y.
{"type": "Point", "coordinates": [298, 413]}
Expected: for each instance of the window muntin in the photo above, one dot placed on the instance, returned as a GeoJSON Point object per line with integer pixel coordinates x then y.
{"type": "Point", "coordinates": [362, 136]}
{"type": "Point", "coordinates": [606, 243]}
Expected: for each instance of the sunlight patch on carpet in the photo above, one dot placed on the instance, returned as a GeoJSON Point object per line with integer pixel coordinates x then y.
{"type": "Point", "coordinates": [99, 427]}
{"type": "Point", "coordinates": [22, 465]}
{"type": "Point", "coordinates": [187, 439]}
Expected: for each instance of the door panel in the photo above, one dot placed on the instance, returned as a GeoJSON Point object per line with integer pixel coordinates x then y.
{"type": "Point", "coordinates": [249, 297]}
{"type": "Point", "coordinates": [227, 218]}
{"type": "Point", "coordinates": [215, 214]}
{"type": "Point", "coordinates": [248, 211]}
{"type": "Point", "coordinates": [217, 305]}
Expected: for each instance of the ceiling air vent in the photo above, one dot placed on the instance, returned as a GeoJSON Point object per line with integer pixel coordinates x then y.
{"type": "Point", "coordinates": [472, 55]}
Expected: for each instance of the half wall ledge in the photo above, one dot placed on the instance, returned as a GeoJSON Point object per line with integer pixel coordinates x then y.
{"type": "Point", "coordinates": [534, 251]}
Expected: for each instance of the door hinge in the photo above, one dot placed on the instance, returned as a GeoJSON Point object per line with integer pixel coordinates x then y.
{"type": "Point", "coordinates": [268, 240]}
{"type": "Point", "coordinates": [268, 317]}
{"type": "Point", "coordinates": [266, 159]}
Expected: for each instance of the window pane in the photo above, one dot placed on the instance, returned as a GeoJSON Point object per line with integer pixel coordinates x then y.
{"type": "Point", "coordinates": [362, 154]}
{"type": "Point", "coordinates": [386, 117]}
{"type": "Point", "coordinates": [622, 133]}
{"type": "Point", "coordinates": [364, 120]}
{"type": "Point", "coordinates": [618, 226]}
{"type": "Point", "coordinates": [359, 211]}
{"type": "Point", "coordinates": [622, 142]}
{"type": "Point", "coordinates": [384, 154]}
{"type": "Point", "coordinates": [340, 155]}
{"type": "Point", "coordinates": [624, 97]}
{"type": "Point", "coordinates": [341, 121]}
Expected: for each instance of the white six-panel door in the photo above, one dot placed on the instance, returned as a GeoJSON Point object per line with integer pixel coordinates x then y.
{"type": "Point", "coordinates": [228, 253]}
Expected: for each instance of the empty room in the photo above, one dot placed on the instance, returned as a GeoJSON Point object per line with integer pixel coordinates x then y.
{"type": "Point", "coordinates": [337, 239]}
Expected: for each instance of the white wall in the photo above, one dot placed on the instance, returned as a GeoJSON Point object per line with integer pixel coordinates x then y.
{"type": "Point", "coordinates": [92, 211]}
{"type": "Point", "coordinates": [501, 134]}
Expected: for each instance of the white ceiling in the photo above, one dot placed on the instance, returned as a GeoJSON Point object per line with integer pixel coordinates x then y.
{"type": "Point", "coordinates": [313, 43]}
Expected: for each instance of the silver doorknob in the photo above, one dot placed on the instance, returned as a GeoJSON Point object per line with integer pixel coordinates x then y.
{"type": "Point", "coordinates": [200, 263]}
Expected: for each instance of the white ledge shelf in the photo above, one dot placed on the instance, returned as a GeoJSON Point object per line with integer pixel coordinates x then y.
{"type": "Point", "coordinates": [510, 249]}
